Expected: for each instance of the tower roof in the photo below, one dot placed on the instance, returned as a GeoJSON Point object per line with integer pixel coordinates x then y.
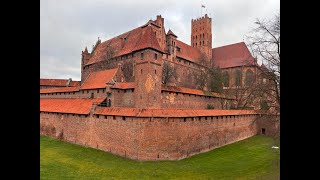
{"type": "Point", "coordinates": [171, 33]}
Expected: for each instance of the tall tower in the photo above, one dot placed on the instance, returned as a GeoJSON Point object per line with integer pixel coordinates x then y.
{"type": "Point", "coordinates": [201, 34]}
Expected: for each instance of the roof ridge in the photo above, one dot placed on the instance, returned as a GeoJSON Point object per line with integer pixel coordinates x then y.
{"type": "Point", "coordinates": [230, 44]}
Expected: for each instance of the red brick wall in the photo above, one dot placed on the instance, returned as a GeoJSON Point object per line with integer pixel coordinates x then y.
{"type": "Point", "coordinates": [149, 138]}
{"type": "Point", "coordinates": [179, 100]}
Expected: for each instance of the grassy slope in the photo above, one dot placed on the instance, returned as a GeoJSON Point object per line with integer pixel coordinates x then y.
{"type": "Point", "coordinates": [252, 158]}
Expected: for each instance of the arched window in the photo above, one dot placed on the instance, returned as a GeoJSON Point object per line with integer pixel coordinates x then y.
{"type": "Point", "coordinates": [249, 77]}
{"type": "Point", "coordinates": [226, 79]}
{"type": "Point", "coordinates": [238, 77]}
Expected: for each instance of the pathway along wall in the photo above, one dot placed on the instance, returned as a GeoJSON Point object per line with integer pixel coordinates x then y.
{"type": "Point", "coordinates": [148, 138]}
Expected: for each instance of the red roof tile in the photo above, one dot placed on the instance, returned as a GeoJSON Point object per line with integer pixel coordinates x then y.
{"type": "Point", "coordinates": [99, 79]}
{"type": "Point", "coordinates": [168, 112]}
{"type": "Point", "coordinates": [75, 106]}
{"type": "Point", "coordinates": [188, 52]}
{"type": "Point", "coordinates": [232, 55]}
{"type": "Point", "coordinates": [189, 91]}
{"type": "Point", "coordinates": [58, 82]}
{"type": "Point", "coordinates": [136, 39]}
{"type": "Point", "coordinates": [124, 85]}
{"type": "Point", "coordinates": [64, 89]}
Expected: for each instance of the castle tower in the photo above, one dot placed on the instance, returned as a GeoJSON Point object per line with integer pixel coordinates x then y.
{"type": "Point", "coordinates": [171, 43]}
{"type": "Point", "coordinates": [85, 56]}
{"type": "Point", "coordinates": [201, 34]}
{"type": "Point", "coordinates": [148, 76]}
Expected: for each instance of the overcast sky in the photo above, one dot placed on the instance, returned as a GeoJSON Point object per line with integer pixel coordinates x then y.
{"type": "Point", "coordinates": [67, 27]}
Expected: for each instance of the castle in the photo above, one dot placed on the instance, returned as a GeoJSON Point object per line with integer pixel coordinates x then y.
{"type": "Point", "coordinates": [139, 95]}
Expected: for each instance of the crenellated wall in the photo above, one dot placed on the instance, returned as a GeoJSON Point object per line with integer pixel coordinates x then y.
{"type": "Point", "coordinates": [149, 138]}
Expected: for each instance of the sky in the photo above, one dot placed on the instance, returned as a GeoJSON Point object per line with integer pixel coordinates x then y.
{"type": "Point", "coordinates": [67, 27]}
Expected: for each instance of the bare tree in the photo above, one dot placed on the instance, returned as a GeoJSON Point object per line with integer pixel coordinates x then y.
{"type": "Point", "coordinates": [168, 72]}
{"type": "Point", "coordinates": [264, 42]}
{"type": "Point", "coordinates": [127, 69]}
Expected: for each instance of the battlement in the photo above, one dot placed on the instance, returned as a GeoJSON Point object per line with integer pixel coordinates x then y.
{"type": "Point", "coordinates": [205, 17]}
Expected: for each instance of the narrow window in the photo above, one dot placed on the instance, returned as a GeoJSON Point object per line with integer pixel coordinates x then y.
{"type": "Point", "coordinates": [141, 71]}
{"type": "Point", "coordinates": [155, 71]}
{"type": "Point", "coordinates": [155, 56]}
{"type": "Point", "coordinates": [114, 117]}
{"type": "Point", "coordinates": [141, 56]}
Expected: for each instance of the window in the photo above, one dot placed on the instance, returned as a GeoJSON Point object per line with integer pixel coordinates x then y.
{"type": "Point", "coordinates": [200, 43]}
{"type": "Point", "coordinates": [97, 90]}
{"type": "Point", "coordinates": [141, 71]}
{"type": "Point", "coordinates": [141, 56]}
{"type": "Point", "coordinates": [125, 91]}
{"type": "Point", "coordinates": [203, 43]}
{"type": "Point", "coordinates": [92, 96]}
{"type": "Point", "coordinates": [226, 79]}
{"type": "Point", "coordinates": [249, 77]}
{"type": "Point", "coordinates": [155, 56]}
{"type": "Point", "coordinates": [155, 71]}
{"type": "Point", "coordinates": [238, 78]}
{"type": "Point", "coordinates": [167, 56]}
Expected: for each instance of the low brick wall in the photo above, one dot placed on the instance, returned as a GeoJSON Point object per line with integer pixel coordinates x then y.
{"type": "Point", "coordinates": [149, 138]}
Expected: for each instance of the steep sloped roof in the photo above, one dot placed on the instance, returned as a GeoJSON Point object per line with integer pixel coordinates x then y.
{"type": "Point", "coordinates": [136, 39]}
{"type": "Point", "coordinates": [75, 105]}
{"type": "Point", "coordinates": [58, 82]}
{"type": "Point", "coordinates": [171, 33]}
{"type": "Point", "coordinates": [188, 52]}
{"type": "Point", "coordinates": [99, 79]}
{"type": "Point", "coordinates": [232, 55]}
{"type": "Point", "coordinates": [135, 112]}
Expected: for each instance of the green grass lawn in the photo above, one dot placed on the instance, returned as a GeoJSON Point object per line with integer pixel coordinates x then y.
{"type": "Point", "coordinates": [252, 158]}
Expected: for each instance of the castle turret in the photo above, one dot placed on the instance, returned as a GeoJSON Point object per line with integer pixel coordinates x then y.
{"type": "Point", "coordinates": [201, 34]}
{"type": "Point", "coordinates": [84, 60]}
{"type": "Point", "coordinates": [171, 43]}
{"type": "Point", "coordinates": [148, 76]}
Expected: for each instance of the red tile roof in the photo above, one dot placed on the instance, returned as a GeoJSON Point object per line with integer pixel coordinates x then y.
{"type": "Point", "coordinates": [63, 89]}
{"type": "Point", "coordinates": [189, 91]}
{"type": "Point", "coordinates": [75, 106]}
{"type": "Point", "coordinates": [124, 85]}
{"type": "Point", "coordinates": [136, 39]}
{"type": "Point", "coordinates": [232, 55]}
{"type": "Point", "coordinates": [169, 112]}
{"type": "Point", "coordinates": [188, 52]}
{"type": "Point", "coordinates": [58, 82]}
{"type": "Point", "coordinates": [99, 79]}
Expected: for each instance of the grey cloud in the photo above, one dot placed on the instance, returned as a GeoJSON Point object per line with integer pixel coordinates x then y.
{"type": "Point", "coordinates": [67, 27]}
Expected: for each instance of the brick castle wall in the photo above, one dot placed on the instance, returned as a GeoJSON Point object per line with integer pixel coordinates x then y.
{"type": "Point", "coordinates": [148, 138]}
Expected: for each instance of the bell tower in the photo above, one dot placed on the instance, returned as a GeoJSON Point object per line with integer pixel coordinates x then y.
{"type": "Point", "coordinates": [201, 34]}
